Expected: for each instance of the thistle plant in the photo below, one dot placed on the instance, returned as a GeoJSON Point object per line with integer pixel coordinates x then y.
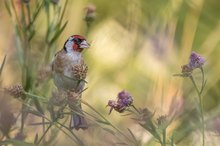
{"type": "Point", "coordinates": [144, 117]}
{"type": "Point", "coordinates": [132, 38]}
{"type": "Point", "coordinates": [196, 62]}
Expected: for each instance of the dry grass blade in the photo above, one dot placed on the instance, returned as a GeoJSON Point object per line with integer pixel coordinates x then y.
{"type": "Point", "coordinates": [2, 65]}
{"type": "Point", "coordinates": [36, 139]}
{"type": "Point", "coordinates": [132, 135]}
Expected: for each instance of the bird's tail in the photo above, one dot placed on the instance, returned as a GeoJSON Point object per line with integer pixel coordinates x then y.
{"type": "Point", "coordinates": [78, 120]}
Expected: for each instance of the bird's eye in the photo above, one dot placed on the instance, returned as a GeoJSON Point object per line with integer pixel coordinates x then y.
{"type": "Point", "coordinates": [77, 40]}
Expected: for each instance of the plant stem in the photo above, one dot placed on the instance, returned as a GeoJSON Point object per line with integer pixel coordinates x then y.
{"type": "Point", "coordinates": [135, 109]}
{"type": "Point", "coordinates": [200, 106]}
{"type": "Point", "coordinates": [84, 102]}
{"type": "Point", "coordinates": [164, 136]}
{"type": "Point", "coordinates": [45, 132]}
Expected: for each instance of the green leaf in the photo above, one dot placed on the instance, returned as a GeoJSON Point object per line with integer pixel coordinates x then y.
{"type": "Point", "coordinates": [47, 6]}
{"type": "Point", "coordinates": [36, 12]}
{"type": "Point", "coordinates": [103, 122]}
{"type": "Point", "coordinates": [33, 96]}
{"type": "Point", "coordinates": [32, 33]}
{"type": "Point", "coordinates": [16, 143]}
{"type": "Point", "coordinates": [57, 34]}
{"type": "Point", "coordinates": [64, 9]}
{"type": "Point", "coordinates": [8, 7]}
{"type": "Point", "coordinates": [19, 48]}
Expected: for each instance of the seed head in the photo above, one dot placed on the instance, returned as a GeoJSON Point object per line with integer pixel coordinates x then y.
{"type": "Point", "coordinates": [15, 91]}
{"type": "Point", "coordinates": [80, 71]}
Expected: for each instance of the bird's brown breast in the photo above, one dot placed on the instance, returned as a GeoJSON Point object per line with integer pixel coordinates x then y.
{"type": "Point", "coordinates": [67, 73]}
{"type": "Point", "coordinates": [60, 62]}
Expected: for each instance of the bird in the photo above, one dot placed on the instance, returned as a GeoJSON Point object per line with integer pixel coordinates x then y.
{"type": "Point", "coordinates": [69, 72]}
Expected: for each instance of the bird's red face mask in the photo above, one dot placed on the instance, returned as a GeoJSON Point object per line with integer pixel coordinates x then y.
{"type": "Point", "coordinates": [76, 43]}
{"type": "Point", "coordinates": [80, 43]}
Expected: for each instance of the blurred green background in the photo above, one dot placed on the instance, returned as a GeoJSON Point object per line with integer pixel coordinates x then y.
{"type": "Point", "coordinates": [136, 45]}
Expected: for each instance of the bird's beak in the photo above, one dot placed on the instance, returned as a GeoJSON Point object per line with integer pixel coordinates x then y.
{"type": "Point", "coordinates": [84, 44]}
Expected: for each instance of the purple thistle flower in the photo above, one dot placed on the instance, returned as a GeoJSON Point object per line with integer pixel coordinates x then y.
{"type": "Point", "coordinates": [196, 61]}
{"type": "Point", "coordinates": [112, 104]}
{"type": "Point", "coordinates": [116, 106]}
{"type": "Point", "coordinates": [124, 100]}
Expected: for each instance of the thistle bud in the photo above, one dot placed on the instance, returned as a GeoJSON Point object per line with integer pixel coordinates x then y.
{"type": "Point", "coordinates": [90, 13]}
{"type": "Point", "coordinates": [26, 1]}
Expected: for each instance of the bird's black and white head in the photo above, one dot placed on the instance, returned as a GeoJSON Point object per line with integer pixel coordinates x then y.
{"type": "Point", "coordinates": [75, 44]}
